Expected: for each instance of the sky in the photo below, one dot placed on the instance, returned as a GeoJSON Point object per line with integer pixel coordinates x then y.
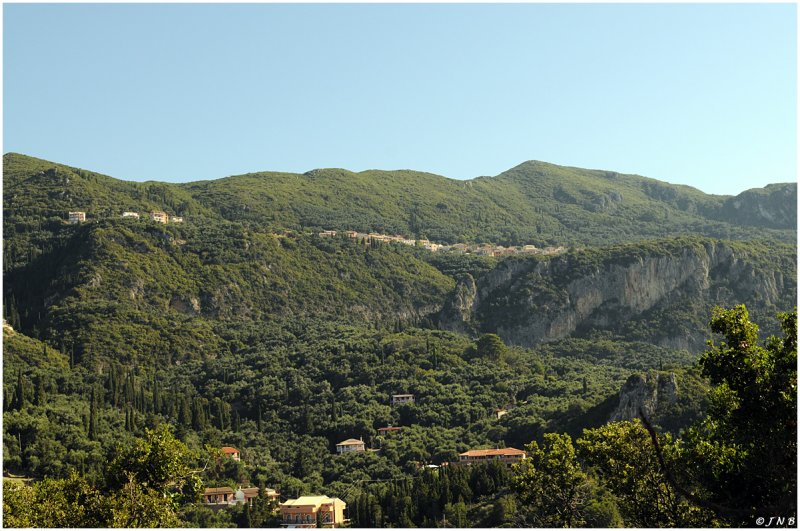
{"type": "Point", "coordinates": [697, 94]}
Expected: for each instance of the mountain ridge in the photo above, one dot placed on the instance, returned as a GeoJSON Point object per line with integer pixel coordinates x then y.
{"type": "Point", "coordinates": [534, 202]}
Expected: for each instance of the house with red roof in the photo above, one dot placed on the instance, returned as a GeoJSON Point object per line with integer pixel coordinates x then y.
{"type": "Point", "coordinates": [230, 451]}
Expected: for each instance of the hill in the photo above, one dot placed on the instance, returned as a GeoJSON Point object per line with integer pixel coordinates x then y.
{"type": "Point", "coordinates": [533, 203]}
{"type": "Point", "coordinates": [122, 288]}
{"type": "Point", "coordinates": [242, 326]}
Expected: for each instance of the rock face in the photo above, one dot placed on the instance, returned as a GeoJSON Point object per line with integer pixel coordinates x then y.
{"type": "Point", "coordinates": [530, 301]}
{"type": "Point", "coordinates": [774, 206]}
{"type": "Point", "coordinates": [651, 393]}
{"type": "Point", "coordinates": [457, 311]}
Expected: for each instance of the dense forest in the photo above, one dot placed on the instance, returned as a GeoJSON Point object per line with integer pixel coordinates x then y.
{"type": "Point", "coordinates": [134, 351]}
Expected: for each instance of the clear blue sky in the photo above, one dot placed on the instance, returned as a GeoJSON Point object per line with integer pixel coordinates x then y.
{"type": "Point", "coordinates": [696, 94]}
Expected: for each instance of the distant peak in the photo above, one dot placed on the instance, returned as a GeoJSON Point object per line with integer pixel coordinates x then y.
{"type": "Point", "coordinates": [321, 172]}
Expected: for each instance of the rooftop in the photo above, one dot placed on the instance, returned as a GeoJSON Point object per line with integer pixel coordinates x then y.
{"type": "Point", "coordinates": [310, 500]}
{"type": "Point", "coordinates": [350, 442]}
{"type": "Point", "coordinates": [218, 490]}
{"type": "Point", "coordinates": [493, 451]}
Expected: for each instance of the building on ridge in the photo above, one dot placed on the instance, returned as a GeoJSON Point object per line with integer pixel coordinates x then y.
{"type": "Point", "coordinates": [160, 217]}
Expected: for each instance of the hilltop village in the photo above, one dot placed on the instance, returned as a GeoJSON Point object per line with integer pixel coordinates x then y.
{"type": "Point", "coordinates": [477, 249]}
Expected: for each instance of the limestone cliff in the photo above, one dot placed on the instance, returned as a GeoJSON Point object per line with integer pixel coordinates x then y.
{"type": "Point", "coordinates": [457, 312]}
{"type": "Point", "coordinates": [774, 206]}
{"type": "Point", "coordinates": [661, 293]}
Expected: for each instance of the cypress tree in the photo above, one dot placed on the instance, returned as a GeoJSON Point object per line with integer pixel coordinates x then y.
{"type": "Point", "coordinates": [19, 392]}
{"type": "Point", "coordinates": [156, 397]}
{"type": "Point", "coordinates": [236, 420]}
{"type": "Point", "coordinates": [39, 394]}
{"type": "Point", "coordinates": [92, 431]}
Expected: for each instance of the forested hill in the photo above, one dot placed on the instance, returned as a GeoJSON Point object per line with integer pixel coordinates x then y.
{"type": "Point", "coordinates": [533, 203]}
{"type": "Point", "coordinates": [134, 348]}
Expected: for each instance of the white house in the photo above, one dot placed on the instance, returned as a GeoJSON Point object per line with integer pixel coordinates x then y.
{"type": "Point", "coordinates": [350, 445]}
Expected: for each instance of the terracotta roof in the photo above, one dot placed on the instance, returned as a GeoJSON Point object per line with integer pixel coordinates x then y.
{"type": "Point", "coordinates": [250, 490]}
{"type": "Point", "coordinates": [391, 428]}
{"type": "Point", "coordinates": [350, 442]}
{"type": "Point", "coordinates": [229, 450]}
{"type": "Point", "coordinates": [218, 490]}
{"type": "Point", "coordinates": [493, 451]}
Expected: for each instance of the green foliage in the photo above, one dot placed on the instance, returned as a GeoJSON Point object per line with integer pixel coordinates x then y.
{"type": "Point", "coordinates": [551, 484]}
{"type": "Point", "coordinates": [742, 457]}
{"type": "Point", "coordinates": [154, 471]}
{"type": "Point", "coordinates": [491, 347]}
{"type": "Point", "coordinates": [242, 327]}
{"type": "Point", "coordinates": [160, 462]}
{"type": "Point", "coordinates": [622, 455]}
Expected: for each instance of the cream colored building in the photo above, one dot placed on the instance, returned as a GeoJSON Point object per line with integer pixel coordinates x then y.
{"type": "Point", "coordinates": [402, 399]}
{"type": "Point", "coordinates": [161, 217]}
{"type": "Point", "coordinates": [350, 445]}
{"type": "Point", "coordinates": [77, 217]}
{"type": "Point", "coordinates": [508, 456]}
{"type": "Point", "coordinates": [306, 511]}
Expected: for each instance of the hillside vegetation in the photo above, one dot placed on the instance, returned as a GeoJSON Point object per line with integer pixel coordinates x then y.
{"type": "Point", "coordinates": [135, 350]}
{"type": "Point", "coordinates": [534, 203]}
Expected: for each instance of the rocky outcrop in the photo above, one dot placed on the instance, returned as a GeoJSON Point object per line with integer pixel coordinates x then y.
{"type": "Point", "coordinates": [774, 206]}
{"type": "Point", "coordinates": [529, 301]}
{"type": "Point", "coordinates": [650, 393]}
{"type": "Point", "coordinates": [457, 311]}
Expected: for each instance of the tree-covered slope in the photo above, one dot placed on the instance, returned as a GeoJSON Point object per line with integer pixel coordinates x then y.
{"type": "Point", "coordinates": [535, 202]}
{"type": "Point", "coordinates": [243, 327]}
{"type": "Point", "coordinates": [128, 288]}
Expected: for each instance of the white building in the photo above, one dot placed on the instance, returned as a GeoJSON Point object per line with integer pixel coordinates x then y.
{"type": "Point", "coordinates": [402, 399]}
{"type": "Point", "coordinates": [351, 445]}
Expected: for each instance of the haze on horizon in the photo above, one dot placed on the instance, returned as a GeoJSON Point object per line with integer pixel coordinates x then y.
{"type": "Point", "coordinates": [195, 92]}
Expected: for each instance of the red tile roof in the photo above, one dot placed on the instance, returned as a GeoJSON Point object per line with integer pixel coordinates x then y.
{"type": "Point", "coordinates": [229, 450]}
